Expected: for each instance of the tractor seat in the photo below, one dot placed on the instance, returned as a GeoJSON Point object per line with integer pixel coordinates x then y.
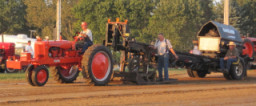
{"type": "Point", "coordinates": [237, 62]}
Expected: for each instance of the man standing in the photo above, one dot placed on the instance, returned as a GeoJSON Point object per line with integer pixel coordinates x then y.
{"type": "Point", "coordinates": [230, 57]}
{"type": "Point", "coordinates": [29, 49]}
{"type": "Point", "coordinates": [85, 37]}
{"type": "Point", "coordinates": [163, 47]}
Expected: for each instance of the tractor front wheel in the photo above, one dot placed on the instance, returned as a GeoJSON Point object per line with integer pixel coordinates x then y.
{"type": "Point", "coordinates": [28, 74]}
{"type": "Point", "coordinates": [97, 60]}
{"type": "Point", "coordinates": [40, 76]}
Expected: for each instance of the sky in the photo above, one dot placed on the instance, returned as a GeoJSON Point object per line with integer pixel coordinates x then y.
{"type": "Point", "coordinates": [217, 0]}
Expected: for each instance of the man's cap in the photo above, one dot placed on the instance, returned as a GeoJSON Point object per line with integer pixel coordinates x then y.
{"type": "Point", "coordinates": [231, 43]}
{"type": "Point", "coordinates": [84, 24]}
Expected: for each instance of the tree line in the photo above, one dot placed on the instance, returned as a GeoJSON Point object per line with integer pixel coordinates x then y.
{"type": "Point", "coordinates": [178, 20]}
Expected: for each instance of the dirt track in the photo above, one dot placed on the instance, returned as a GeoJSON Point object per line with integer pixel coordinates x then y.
{"type": "Point", "coordinates": [213, 90]}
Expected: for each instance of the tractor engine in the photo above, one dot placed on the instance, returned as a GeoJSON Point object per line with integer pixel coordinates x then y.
{"type": "Point", "coordinates": [54, 49]}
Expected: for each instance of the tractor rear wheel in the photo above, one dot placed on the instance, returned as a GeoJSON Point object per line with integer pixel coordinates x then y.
{"type": "Point", "coordinates": [248, 48]}
{"type": "Point", "coordinates": [65, 74]}
{"type": "Point", "coordinates": [28, 74]}
{"type": "Point", "coordinates": [97, 60]}
{"type": "Point", "coordinates": [40, 76]}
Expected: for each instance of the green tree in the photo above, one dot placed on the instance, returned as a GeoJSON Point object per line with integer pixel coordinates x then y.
{"type": "Point", "coordinates": [12, 14]}
{"type": "Point", "coordinates": [179, 20]}
{"type": "Point", "coordinates": [97, 12]}
{"type": "Point", "coordinates": [41, 15]}
{"type": "Point", "coordinates": [248, 18]}
{"type": "Point", "coordinates": [242, 15]}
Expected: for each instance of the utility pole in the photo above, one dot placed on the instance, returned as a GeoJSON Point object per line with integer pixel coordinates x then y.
{"type": "Point", "coordinates": [226, 12]}
{"type": "Point", "coordinates": [58, 20]}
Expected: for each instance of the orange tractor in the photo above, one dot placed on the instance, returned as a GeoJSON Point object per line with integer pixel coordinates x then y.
{"type": "Point", "coordinates": [65, 61]}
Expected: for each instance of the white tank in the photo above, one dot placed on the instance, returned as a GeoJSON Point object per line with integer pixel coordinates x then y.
{"type": "Point", "coordinates": [20, 40]}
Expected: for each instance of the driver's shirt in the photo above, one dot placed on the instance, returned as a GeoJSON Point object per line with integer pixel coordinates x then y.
{"type": "Point", "coordinates": [233, 52]}
{"type": "Point", "coordinates": [162, 46]}
{"type": "Point", "coordinates": [29, 49]}
{"type": "Point", "coordinates": [88, 32]}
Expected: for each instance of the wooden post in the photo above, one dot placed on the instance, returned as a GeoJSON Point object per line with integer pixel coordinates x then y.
{"type": "Point", "coordinates": [58, 20]}
{"type": "Point", "coordinates": [3, 37]}
{"type": "Point", "coordinates": [226, 12]}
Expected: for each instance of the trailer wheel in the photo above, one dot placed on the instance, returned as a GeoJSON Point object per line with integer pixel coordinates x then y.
{"type": "Point", "coordinates": [40, 76]}
{"type": "Point", "coordinates": [65, 74]}
{"type": "Point", "coordinates": [97, 59]}
{"type": "Point", "coordinates": [190, 73]}
{"type": "Point", "coordinates": [237, 72]}
{"type": "Point", "coordinates": [28, 74]}
{"type": "Point", "coordinates": [199, 74]}
{"type": "Point", "coordinates": [227, 76]}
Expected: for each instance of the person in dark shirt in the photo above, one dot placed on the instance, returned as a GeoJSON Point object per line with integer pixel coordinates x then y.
{"type": "Point", "coordinates": [230, 57]}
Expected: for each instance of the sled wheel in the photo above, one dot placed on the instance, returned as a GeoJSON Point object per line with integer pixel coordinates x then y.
{"type": "Point", "coordinates": [227, 76]}
{"type": "Point", "coordinates": [65, 73]}
{"type": "Point", "coordinates": [190, 73]}
{"type": "Point", "coordinates": [199, 74]}
{"type": "Point", "coordinates": [28, 74]}
{"type": "Point", "coordinates": [40, 76]}
{"type": "Point", "coordinates": [248, 48]}
{"type": "Point", "coordinates": [237, 72]}
{"type": "Point", "coordinates": [97, 60]}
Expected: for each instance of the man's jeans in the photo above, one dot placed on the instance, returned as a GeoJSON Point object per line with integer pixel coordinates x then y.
{"type": "Point", "coordinates": [229, 62]}
{"type": "Point", "coordinates": [86, 45]}
{"type": "Point", "coordinates": [163, 62]}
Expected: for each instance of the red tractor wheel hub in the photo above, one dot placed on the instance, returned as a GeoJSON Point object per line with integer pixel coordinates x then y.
{"type": "Point", "coordinates": [100, 65]}
{"type": "Point", "coordinates": [41, 76]}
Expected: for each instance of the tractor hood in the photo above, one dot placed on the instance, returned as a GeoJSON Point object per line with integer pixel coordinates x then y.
{"type": "Point", "coordinates": [215, 29]}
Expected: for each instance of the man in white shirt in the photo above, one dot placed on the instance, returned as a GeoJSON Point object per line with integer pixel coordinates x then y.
{"type": "Point", "coordinates": [163, 47]}
{"type": "Point", "coordinates": [196, 51]}
{"type": "Point", "coordinates": [85, 37]}
{"type": "Point", "coordinates": [29, 49]}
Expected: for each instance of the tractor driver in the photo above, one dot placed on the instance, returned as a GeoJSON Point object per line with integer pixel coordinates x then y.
{"type": "Point", "coordinates": [230, 57]}
{"type": "Point", "coordinates": [85, 37]}
{"type": "Point", "coordinates": [29, 49]}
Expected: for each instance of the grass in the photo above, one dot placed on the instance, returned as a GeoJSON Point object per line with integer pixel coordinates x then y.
{"type": "Point", "coordinates": [12, 76]}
